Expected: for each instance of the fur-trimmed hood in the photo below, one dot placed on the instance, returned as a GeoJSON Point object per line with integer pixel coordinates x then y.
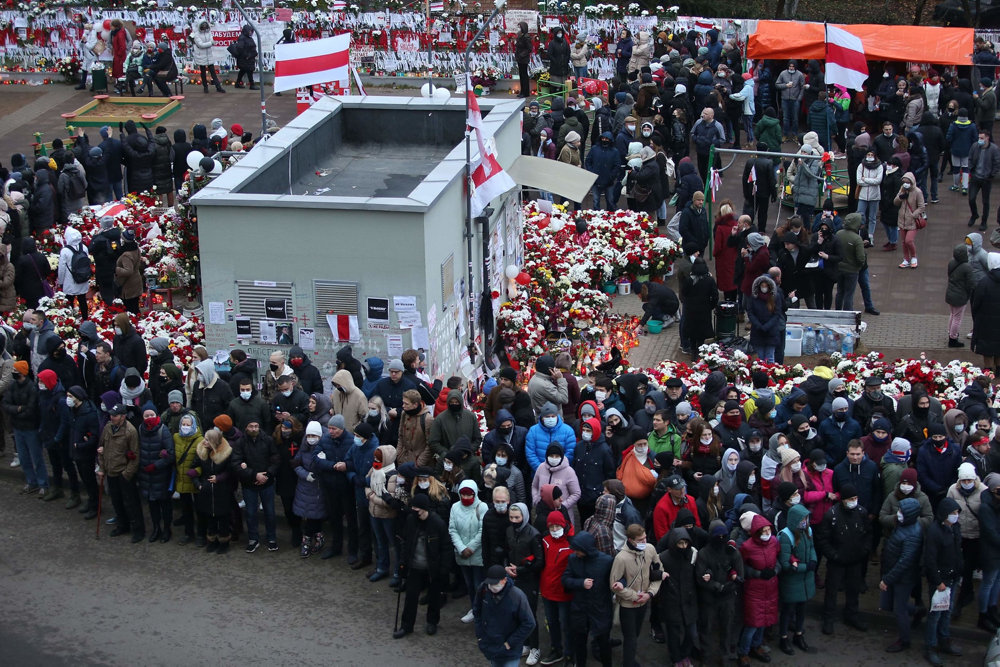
{"type": "Point", "coordinates": [222, 450]}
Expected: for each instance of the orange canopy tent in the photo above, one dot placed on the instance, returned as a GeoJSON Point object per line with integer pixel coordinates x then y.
{"type": "Point", "coordinates": [781, 40]}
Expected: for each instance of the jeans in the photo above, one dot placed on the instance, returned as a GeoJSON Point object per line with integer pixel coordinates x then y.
{"type": "Point", "coordinates": [934, 172]}
{"type": "Point", "coordinates": [988, 590]}
{"type": "Point", "coordinates": [385, 543]}
{"type": "Point", "coordinates": [116, 186]}
{"type": "Point", "coordinates": [977, 185]}
{"type": "Point", "coordinates": [939, 622]}
{"type": "Point", "coordinates": [581, 72]}
{"type": "Point", "coordinates": [750, 638]}
{"type": "Point", "coordinates": [897, 598]}
{"type": "Point", "coordinates": [790, 117]}
{"type": "Point", "coordinates": [891, 232]}
{"type": "Point", "coordinates": [557, 619]}
{"type": "Point", "coordinates": [264, 494]}
{"type": "Point", "coordinates": [631, 622]}
{"type": "Point", "coordinates": [29, 451]}
{"type": "Point", "coordinates": [846, 284]}
{"type": "Point", "coordinates": [506, 662]}
{"type": "Point", "coordinates": [610, 199]}
{"type": "Point", "coordinates": [866, 288]}
{"type": "Point", "coordinates": [869, 214]}
{"type": "Point", "coordinates": [766, 353]}
{"type": "Point", "coordinates": [910, 244]}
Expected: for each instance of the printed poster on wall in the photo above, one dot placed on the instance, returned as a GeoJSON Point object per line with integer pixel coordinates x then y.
{"type": "Point", "coordinates": [276, 309]}
{"type": "Point", "coordinates": [378, 311]}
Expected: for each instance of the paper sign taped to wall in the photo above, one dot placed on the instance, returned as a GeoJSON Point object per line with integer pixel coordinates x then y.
{"type": "Point", "coordinates": [394, 345]}
{"type": "Point", "coordinates": [268, 332]}
{"type": "Point", "coordinates": [404, 304]}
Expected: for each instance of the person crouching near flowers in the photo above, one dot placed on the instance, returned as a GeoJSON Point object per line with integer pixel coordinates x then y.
{"type": "Point", "coordinates": [216, 481]}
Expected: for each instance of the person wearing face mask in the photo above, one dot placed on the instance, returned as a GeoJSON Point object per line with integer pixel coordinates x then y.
{"type": "Point", "coordinates": [727, 473]}
{"type": "Point", "coordinates": [495, 523]}
{"type": "Point", "coordinates": [636, 576]}
{"type": "Point", "coordinates": [791, 87]}
{"type": "Point", "coordinates": [558, 55]}
{"type": "Point", "coordinates": [943, 567]}
{"type": "Point", "coordinates": [838, 430]}
{"type": "Point", "coordinates": [636, 472]}
{"type": "Point", "coordinates": [593, 464]}
{"type": "Point", "coordinates": [134, 395]}
{"type": "Point", "coordinates": [383, 494]}
{"type": "Point", "coordinates": [338, 491]}
{"type": "Point", "coordinates": [556, 470]}
{"type": "Point", "coordinates": [289, 402]}
{"type": "Point", "coordinates": [956, 427]}
{"type": "Point", "coordinates": [308, 502]}
{"type": "Point", "coordinates": [525, 559]}
{"type": "Point", "coordinates": [423, 563]}
{"type": "Point", "coordinates": [760, 589]}
{"type": "Point", "coordinates": [912, 205]}
{"type": "Point", "coordinates": [247, 406]}
{"type": "Point", "coordinates": [762, 417]}
{"type": "Point", "coordinates": [414, 431]}
{"type": "Point", "coordinates": [503, 617]}
{"type": "Point", "coordinates": [989, 553]}
{"type": "Point", "coordinates": [129, 349]}
{"type": "Point", "coordinates": [255, 460]}
{"type": "Point", "coordinates": [962, 136]}
{"type": "Point", "coordinates": [626, 134]}
{"type": "Point", "coordinates": [587, 578]}
{"type": "Point", "coordinates": [277, 368]}
{"type": "Point", "coordinates": [603, 159]}
{"type": "Point", "coordinates": [347, 400]}
{"type": "Point", "coordinates": [938, 459]}
{"type": "Point", "coordinates": [465, 528]}
{"type": "Point", "coordinates": [652, 402]}
{"type": "Point", "coordinates": [818, 495]}
{"type": "Point", "coordinates": [967, 493]}
{"type": "Point", "coordinates": [359, 459]}
{"type": "Point", "coordinates": [844, 538]}
{"type": "Point", "coordinates": [82, 437]}
{"type": "Point", "coordinates": [53, 433]}
{"type": "Point", "coordinates": [908, 487]}
{"type": "Point", "coordinates": [900, 570]}
{"type": "Point", "coordinates": [667, 509]}
{"type": "Point", "coordinates": [733, 432]}
{"type": "Point", "coordinates": [61, 363]}
{"type": "Point", "coordinates": [765, 311]}
{"type": "Point", "coordinates": [156, 470]}
{"type": "Point", "coordinates": [718, 573]}
{"type": "Point", "coordinates": [796, 580]}
{"type": "Point", "coordinates": [786, 497]}
{"type": "Point", "coordinates": [550, 429]}
{"type": "Point", "coordinates": [873, 401]}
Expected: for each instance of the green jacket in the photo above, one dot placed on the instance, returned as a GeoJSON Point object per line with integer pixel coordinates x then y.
{"type": "Point", "coordinates": [768, 131]}
{"type": "Point", "coordinates": [669, 442]}
{"type": "Point", "coordinates": [852, 247]}
{"type": "Point", "coordinates": [796, 584]}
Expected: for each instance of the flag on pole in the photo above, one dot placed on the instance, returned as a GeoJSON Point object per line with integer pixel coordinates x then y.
{"type": "Point", "coordinates": [308, 63]}
{"type": "Point", "coordinates": [489, 181]}
{"type": "Point", "coordinates": [845, 59]}
{"type": "Point", "coordinates": [339, 5]}
{"type": "Point", "coordinates": [344, 328]}
{"type": "Point", "coordinates": [357, 80]}
{"type": "Point", "coordinates": [436, 6]}
{"type": "Point", "coordinates": [475, 120]}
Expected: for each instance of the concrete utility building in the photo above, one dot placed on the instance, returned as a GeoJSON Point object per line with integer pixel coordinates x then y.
{"type": "Point", "coordinates": [356, 210]}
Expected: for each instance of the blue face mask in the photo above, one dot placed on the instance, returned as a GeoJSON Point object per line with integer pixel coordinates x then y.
{"type": "Point", "coordinates": [358, 441]}
{"type": "Point", "coordinates": [981, 142]}
{"type": "Point", "coordinates": [772, 414]}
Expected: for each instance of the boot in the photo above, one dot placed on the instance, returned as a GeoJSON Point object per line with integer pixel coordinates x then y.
{"type": "Point", "coordinates": [54, 493]}
{"type": "Point", "coordinates": [986, 623]}
{"type": "Point", "coordinates": [318, 543]}
{"type": "Point", "coordinates": [220, 89]}
{"type": "Point", "coordinates": [945, 646]}
{"type": "Point", "coordinates": [223, 545]}
{"type": "Point", "coordinates": [827, 626]}
{"type": "Point", "coordinates": [155, 535]}
{"type": "Point", "coordinates": [91, 504]}
{"type": "Point", "coordinates": [933, 657]}
{"type": "Point", "coordinates": [83, 81]}
{"type": "Point", "coordinates": [165, 537]}
{"type": "Point", "coordinates": [800, 641]}
{"type": "Point", "coordinates": [213, 544]}
{"type": "Point", "coordinates": [306, 546]}
{"type": "Point", "coordinates": [994, 614]}
{"type": "Point", "coordinates": [786, 646]}
{"type": "Point", "coordinates": [954, 342]}
{"type": "Point", "coordinates": [74, 500]}
{"type": "Point", "coordinates": [205, 87]}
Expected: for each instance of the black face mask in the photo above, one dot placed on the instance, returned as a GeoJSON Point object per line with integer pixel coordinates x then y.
{"type": "Point", "coordinates": [59, 354]}
{"type": "Point", "coordinates": [455, 408]}
{"type": "Point", "coordinates": [274, 368]}
{"type": "Point", "coordinates": [505, 430]}
{"type": "Point", "coordinates": [921, 411]}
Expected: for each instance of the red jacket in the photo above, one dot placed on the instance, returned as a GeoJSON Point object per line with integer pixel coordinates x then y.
{"type": "Point", "coordinates": [666, 512]}
{"type": "Point", "coordinates": [441, 404]}
{"type": "Point", "coordinates": [725, 256]}
{"type": "Point", "coordinates": [557, 554]}
{"type": "Point", "coordinates": [757, 267]}
{"type": "Point", "coordinates": [760, 596]}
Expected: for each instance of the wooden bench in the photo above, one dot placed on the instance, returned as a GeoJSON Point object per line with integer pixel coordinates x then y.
{"type": "Point", "coordinates": [841, 319]}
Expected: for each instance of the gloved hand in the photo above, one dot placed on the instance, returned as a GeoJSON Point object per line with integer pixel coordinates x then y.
{"type": "Point", "coordinates": [192, 473]}
{"type": "Point", "coordinates": [811, 567]}
{"type": "Point", "coordinates": [387, 497]}
{"type": "Point", "coordinates": [164, 454]}
{"type": "Point", "coordinates": [310, 477]}
{"type": "Point", "coordinates": [130, 455]}
{"type": "Point", "coordinates": [121, 126]}
{"type": "Point", "coordinates": [149, 467]}
{"type": "Point", "coordinates": [767, 573]}
{"type": "Point", "coordinates": [321, 455]}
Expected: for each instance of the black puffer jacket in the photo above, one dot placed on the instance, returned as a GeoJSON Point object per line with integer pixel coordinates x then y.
{"type": "Point", "coordinates": [943, 547]}
{"type": "Point", "coordinates": [44, 202]}
{"type": "Point", "coordinates": [20, 403]}
{"type": "Point", "coordinates": [105, 247]}
{"type": "Point", "coordinates": [524, 551]}
{"type": "Point", "coordinates": [593, 604]}
{"type": "Point", "coordinates": [309, 377]}
{"type": "Point", "coordinates": [494, 536]}
{"type": "Point", "coordinates": [84, 432]}
{"type": "Point", "coordinates": [677, 598]}
{"type": "Point", "coordinates": [163, 168]}
{"type": "Point", "coordinates": [844, 536]}
{"type": "Point", "coordinates": [139, 156]}
{"type": "Point", "coordinates": [156, 448]}
{"type": "Point", "coordinates": [246, 50]}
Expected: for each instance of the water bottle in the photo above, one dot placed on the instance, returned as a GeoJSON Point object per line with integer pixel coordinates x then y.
{"type": "Point", "coordinates": [829, 342]}
{"type": "Point", "coordinates": [808, 342]}
{"type": "Point", "coordinates": [847, 345]}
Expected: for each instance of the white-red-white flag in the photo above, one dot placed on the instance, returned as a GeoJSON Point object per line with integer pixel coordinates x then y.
{"type": "Point", "coordinates": [339, 5]}
{"type": "Point", "coordinates": [845, 59]}
{"type": "Point", "coordinates": [307, 63]}
{"type": "Point", "coordinates": [436, 6]}
{"type": "Point", "coordinates": [344, 328]}
{"type": "Point", "coordinates": [475, 119]}
{"type": "Point", "coordinates": [489, 180]}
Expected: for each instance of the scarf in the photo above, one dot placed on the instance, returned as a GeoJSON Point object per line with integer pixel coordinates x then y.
{"type": "Point", "coordinates": [377, 480]}
{"type": "Point", "coordinates": [132, 394]}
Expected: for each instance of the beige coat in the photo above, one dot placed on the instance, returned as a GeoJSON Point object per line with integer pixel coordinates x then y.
{"type": "Point", "coordinates": [910, 207]}
{"type": "Point", "coordinates": [633, 566]}
{"type": "Point", "coordinates": [351, 402]}
{"type": "Point", "coordinates": [413, 432]}
{"type": "Point", "coordinates": [377, 507]}
{"type": "Point", "coordinates": [128, 274]}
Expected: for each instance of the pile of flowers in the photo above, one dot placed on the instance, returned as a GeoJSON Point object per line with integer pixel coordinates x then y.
{"type": "Point", "coordinates": [945, 381]}
{"type": "Point", "coordinates": [69, 67]}
{"type": "Point", "coordinates": [183, 331]}
{"type": "Point", "coordinates": [486, 77]}
{"type": "Point", "coordinates": [521, 327]}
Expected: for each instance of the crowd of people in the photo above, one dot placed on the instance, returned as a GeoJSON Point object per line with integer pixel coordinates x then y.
{"type": "Point", "coordinates": [718, 516]}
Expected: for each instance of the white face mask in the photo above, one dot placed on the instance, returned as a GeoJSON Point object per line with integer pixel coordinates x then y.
{"type": "Point", "coordinates": [715, 490]}
{"type": "Point", "coordinates": [586, 436]}
{"type": "Point", "coordinates": [286, 393]}
{"type": "Point", "coordinates": [795, 500]}
{"type": "Point", "coordinates": [641, 451]}
{"type": "Point", "coordinates": [641, 546]}
{"type": "Point", "coordinates": [952, 518]}
{"type": "Point", "coordinates": [245, 395]}
{"type": "Point", "coordinates": [554, 461]}
{"type": "Point", "coordinates": [906, 488]}
{"type": "Point", "coordinates": [751, 480]}
{"type": "Point", "coordinates": [755, 446]}
{"type": "Point", "coordinates": [556, 532]}
{"type": "Point", "coordinates": [631, 128]}
{"type": "Point", "coordinates": [501, 460]}
{"type": "Point", "coordinates": [496, 588]}
{"type": "Point", "coordinates": [70, 401]}
{"type": "Point", "coordinates": [500, 507]}
{"type": "Point", "coordinates": [548, 422]}
{"type": "Point", "coordinates": [42, 387]}
{"type": "Point", "coordinates": [820, 468]}
{"type": "Point", "coordinates": [959, 428]}
{"type": "Point", "coordinates": [600, 395]}
{"type": "Point", "coordinates": [851, 504]}
{"type": "Point", "coordinates": [312, 439]}
{"type": "Point", "coordinates": [968, 485]}
{"type": "Point", "coordinates": [797, 466]}
{"type": "Point", "coordinates": [400, 481]}
{"type": "Point", "coordinates": [373, 413]}
{"type": "Point", "coordinates": [118, 330]}
{"type": "Point", "coordinates": [448, 465]}
{"type": "Point", "coordinates": [731, 467]}
{"type": "Point", "coordinates": [706, 439]}
{"type": "Point", "coordinates": [423, 485]}
{"type": "Point", "coordinates": [765, 537]}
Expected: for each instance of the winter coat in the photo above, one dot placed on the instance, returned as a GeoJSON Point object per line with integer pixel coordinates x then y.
{"type": "Point", "coordinates": [718, 561]}
{"type": "Point", "coordinates": [937, 471]}
{"type": "Point", "coordinates": [796, 584]}
{"type": "Point", "coordinates": [962, 137]}
{"type": "Point", "coordinates": [822, 120]}
{"type": "Point", "coordinates": [437, 543]}
{"type": "Point", "coordinates": [694, 227]}
{"type": "Point", "coordinates": [986, 315]}
{"type": "Point", "coordinates": [44, 202]}
{"type": "Point", "coordinates": [84, 432]}
{"type": "Point", "coordinates": [539, 438]}
{"type": "Point", "coordinates": [447, 428]}
{"type": "Point", "coordinates": [666, 511]}
{"type": "Point", "coordinates": [977, 257]}
{"type": "Point", "coordinates": [156, 448]}
{"type": "Point", "coordinates": [700, 294]}
{"type": "Point", "coordinates": [378, 506]}
{"type": "Point", "coordinates": [844, 536]}
{"type": "Point", "coordinates": [902, 550]}
{"type": "Point", "coordinates": [866, 479]}
{"type": "Point", "coordinates": [725, 255]}
{"type": "Point", "coordinates": [633, 568]}
{"type": "Point", "coordinates": [524, 551]}
{"type": "Point", "coordinates": [502, 619]}
{"type": "Point", "coordinates": [960, 283]}
{"type": "Point", "coordinates": [688, 182]}
{"type": "Point", "coordinates": [869, 180]}
{"type": "Point", "coordinates": [67, 203]}
{"type": "Point", "coordinates": [911, 206]}
{"type": "Point", "coordinates": [558, 52]}
{"type": "Point", "coordinates": [970, 504]}
{"type": "Point", "coordinates": [943, 548]}
{"type": "Point", "coordinates": [20, 404]}
{"type": "Point", "coordinates": [186, 458]}
{"type": "Point", "coordinates": [163, 163]}
{"type": "Point", "coordinates": [465, 527]}
{"type": "Point", "coordinates": [215, 500]}
{"type": "Point", "coordinates": [707, 134]}
{"type": "Point", "coordinates": [592, 465]}
{"type": "Point", "coordinates": [246, 50]}
{"type": "Point", "coordinates": [989, 531]}
{"type": "Point", "coordinates": [211, 396]}
{"type": "Point", "coordinates": [808, 182]}
{"type": "Point", "coordinates": [412, 446]}
{"type": "Point", "coordinates": [836, 435]}
{"type": "Point", "coordinates": [852, 248]}
{"type": "Point", "coordinates": [768, 131]}
{"type": "Point", "coordinates": [260, 455]}
{"type": "Point", "coordinates": [120, 451]}
{"type": "Point", "coordinates": [105, 247]}
{"type": "Point", "coordinates": [8, 295]}
{"type": "Point", "coordinates": [348, 401]}
{"type": "Point", "coordinates": [72, 241]}
{"type": "Point", "coordinates": [523, 46]}
{"type": "Point", "coordinates": [128, 271]}
{"type": "Point", "coordinates": [308, 502]}
{"type": "Point", "coordinates": [203, 43]}
{"type": "Point", "coordinates": [677, 600]}
{"type": "Point", "coordinates": [139, 155]}
{"type": "Point", "coordinates": [760, 594]}
{"type": "Point", "coordinates": [642, 50]}
{"type": "Point", "coordinates": [562, 476]}
{"type": "Point", "coordinates": [894, 500]}
{"type": "Point", "coordinates": [768, 325]}
{"type": "Point", "coordinates": [605, 162]}
{"type": "Point", "coordinates": [593, 606]}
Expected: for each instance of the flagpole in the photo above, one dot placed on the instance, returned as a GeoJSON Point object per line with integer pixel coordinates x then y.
{"type": "Point", "coordinates": [260, 68]}
{"type": "Point", "coordinates": [468, 177]}
{"type": "Point", "coordinates": [430, 47]}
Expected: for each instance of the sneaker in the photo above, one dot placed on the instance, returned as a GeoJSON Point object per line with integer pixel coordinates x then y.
{"type": "Point", "coordinates": [15, 462]}
{"type": "Point", "coordinates": [905, 264]}
{"type": "Point", "coordinates": [965, 191]}
{"type": "Point", "coordinates": [554, 657]}
{"type": "Point", "coordinates": [524, 651]}
{"type": "Point", "coordinates": [954, 188]}
{"type": "Point", "coordinates": [272, 546]}
{"type": "Point", "coordinates": [470, 617]}
{"type": "Point", "coordinates": [28, 489]}
{"type": "Point", "coordinates": [111, 521]}
{"type": "Point", "coordinates": [913, 263]}
{"type": "Point", "coordinates": [252, 546]}
{"type": "Point", "coordinates": [534, 655]}
{"type": "Point", "coordinates": [935, 200]}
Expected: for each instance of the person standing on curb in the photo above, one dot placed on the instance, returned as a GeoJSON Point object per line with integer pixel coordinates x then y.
{"type": "Point", "coordinates": [118, 458]}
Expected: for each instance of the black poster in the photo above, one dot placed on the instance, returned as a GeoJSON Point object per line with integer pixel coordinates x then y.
{"type": "Point", "coordinates": [276, 309]}
{"type": "Point", "coordinates": [243, 327]}
{"type": "Point", "coordinates": [378, 310]}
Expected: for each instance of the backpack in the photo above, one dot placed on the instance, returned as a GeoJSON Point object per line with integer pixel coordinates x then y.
{"type": "Point", "coordinates": [79, 265]}
{"type": "Point", "coordinates": [77, 188]}
{"type": "Point", "coordinates": [234, 49]}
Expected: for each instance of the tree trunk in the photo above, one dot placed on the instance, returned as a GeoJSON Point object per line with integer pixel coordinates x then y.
{"type": "Point", "coordinates": [919, 11]}
{"type": "Point", "coordinates": [779, 11]}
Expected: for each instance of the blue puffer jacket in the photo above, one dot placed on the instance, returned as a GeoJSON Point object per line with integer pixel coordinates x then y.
{"type": "Point", "coordinates": [605, 162]}
{"type": "Point", "coordinates": [503, 618]}
{"type": "Point", "coordinates": [836, 435]}
{"type": "Point", "coordinates": [308, 503]}
{"type": "Point", "coordinates": [359, 462]}
{"type": "Point", "coordinates": [936, 471]}
{"type": "Point", "coordinates": [539, 438]}
{"type": "Point", "coordinates": [156, 485]}
{"type": "Point", "coordinates": [372, 375]}
{"type": "Point", "coordinates": [901, 554]}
